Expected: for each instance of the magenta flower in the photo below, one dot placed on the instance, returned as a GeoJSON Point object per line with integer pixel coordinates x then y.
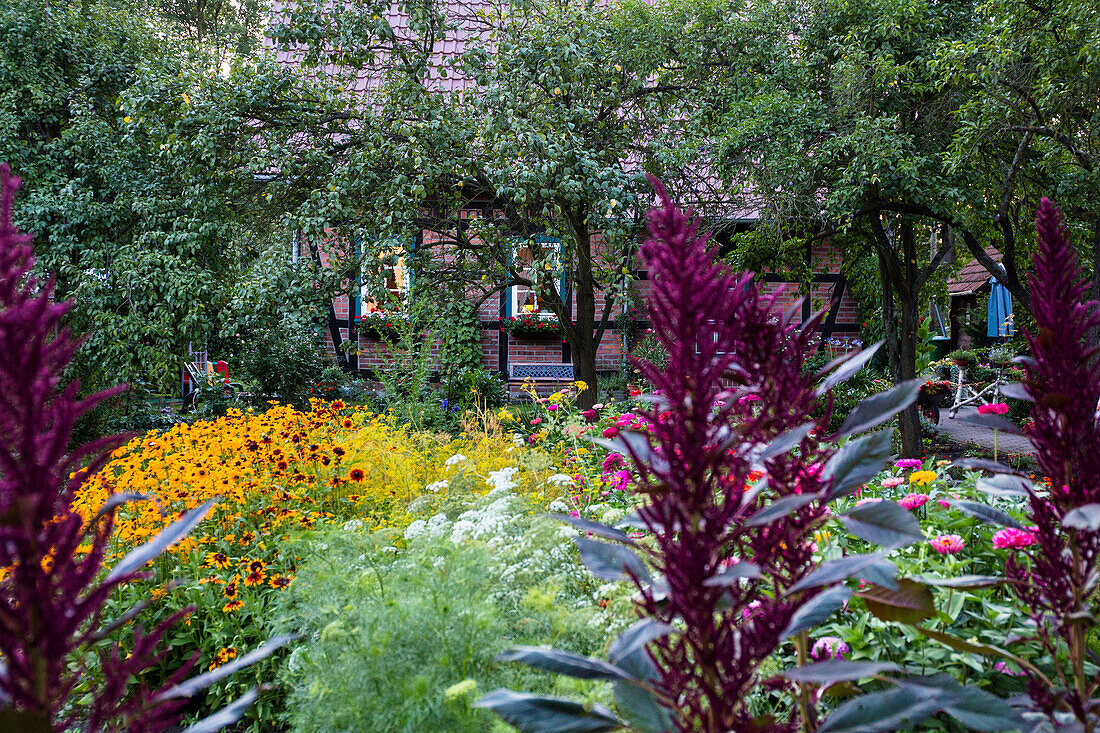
{"type": "Point", "coordinates": [536, 421]}
{"type": "Point", "coordinates": [913, 501]}
{"type": "Point", "coordinates": [997, 408]}
{"type": "Point", "coordinates": [907, 464]}
{"type": "Point", "coordinates": [868, 500]}
{"type": "Point", "coordinates": [829, 647]}
{"type": "Point", "coordinates": [552, 407]}
{"type": "Point", "coordinates": [612, 462]}
{"type": "Point", "coordinates": [610, 432]}
{"type": "Point", "coordinates": [590, 415]}
{"type": "Point", "coordinates": [947, 544]}
{"type": "Point", "coordinates": [1004, 668]}
{"type": "Point", "coordinates": [1011, 538]}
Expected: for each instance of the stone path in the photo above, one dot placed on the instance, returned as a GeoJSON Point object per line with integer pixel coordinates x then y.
{"type": "Point", "coordinates": [961, 430]}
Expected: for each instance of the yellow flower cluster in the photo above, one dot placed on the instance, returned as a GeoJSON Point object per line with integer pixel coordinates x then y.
{"type": "Point", "coordinates": [275, 472]}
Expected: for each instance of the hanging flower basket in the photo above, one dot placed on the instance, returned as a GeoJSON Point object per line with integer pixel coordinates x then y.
{"type": "Point", "coordinates": [935, 392]}
{"type": "Point", "coordinates": [533, 325]}
{"type": "Point", "coordinates": [379, 325]}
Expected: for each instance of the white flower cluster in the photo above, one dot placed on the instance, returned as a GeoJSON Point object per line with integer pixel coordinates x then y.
{"type": "Point", "coordinates": [454, 460]}
{"type": "Point", "coordinates": [559, 479]}
{"type": "Point", "coordinates": [437, 486]}
{"type": "Point", "coordinates": [502, 480]}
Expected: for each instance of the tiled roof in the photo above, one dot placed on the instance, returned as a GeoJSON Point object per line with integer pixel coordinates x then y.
{"type": "Point", "coordinates": [470, 19]}
{"type": "Point", "coordinates": [972, 276]}
{"type": "Point", "coordinates": [467, 18]}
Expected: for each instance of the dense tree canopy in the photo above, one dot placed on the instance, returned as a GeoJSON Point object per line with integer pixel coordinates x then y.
{"type": "Point", "coordinates": [544, 122]}
{"type": "Point", "coordinates": [139, 172]}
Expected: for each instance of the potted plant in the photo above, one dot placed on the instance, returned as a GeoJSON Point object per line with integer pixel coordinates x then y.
{"type": "Point", "coordinates": [533, 325]}
{"type": "Point", "coordinates": [962, 358]}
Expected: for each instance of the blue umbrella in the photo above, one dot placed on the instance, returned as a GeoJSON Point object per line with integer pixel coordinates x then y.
{"type": "Point", "coordinates": [999, 315]}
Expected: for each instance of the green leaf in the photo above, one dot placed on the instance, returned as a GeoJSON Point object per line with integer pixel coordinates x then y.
{"type": "Point", "coordinates": [909, 603]}
{"type": "Point", "coordinates": [873, 567]}
{"type": "Point", "coordinates": [567, 663]}
{"type": "Point", "coordinates": [817, 609]}
{"type": "Point", "coordinates": [985, 512]}
{"type": "Point", "coordinates": [610, 562]}
{"type": "Point", "coordinates": [536, 714]}
{"type": "Point", "coordinates": [857, 462]}
{"type": "Point", "coordinates": [883, 523]}
{"type": "Point", "coordinates": [879, 408]}
{"type": "Point", "coordinates": [838, 670]}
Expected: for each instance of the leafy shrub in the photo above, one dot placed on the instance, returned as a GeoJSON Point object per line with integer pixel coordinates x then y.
{"type": "Point", "coordinates": [275, 363]}
{"type": "Point", "coordinates": [279, 472]}
{"type": "Point", "coordinates": [475, 387]}
{"type": "Point", "coordinates": [397, 637]}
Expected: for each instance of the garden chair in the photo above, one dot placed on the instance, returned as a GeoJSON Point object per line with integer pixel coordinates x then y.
{"type": "Point", "coordinates": [204, 375]}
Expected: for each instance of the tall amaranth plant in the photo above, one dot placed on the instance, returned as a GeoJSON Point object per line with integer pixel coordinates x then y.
{"type": "Point", "coordinates": [1057, 579]}
{"type": "Point", "coordinates": [51, 591]}
{"type": "Point", "coordinates": [736, 477]}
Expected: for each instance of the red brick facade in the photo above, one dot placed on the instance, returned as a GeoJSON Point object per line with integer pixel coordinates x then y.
{"type": "Point", "coordinates": [502, 351]}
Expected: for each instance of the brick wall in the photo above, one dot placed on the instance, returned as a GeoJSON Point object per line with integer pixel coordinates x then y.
{"type": "Point", "coordinates": [825, 260]}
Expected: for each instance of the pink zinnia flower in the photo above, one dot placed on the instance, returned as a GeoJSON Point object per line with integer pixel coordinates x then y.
{"type": "Point", "coordinates": [997, 408]}
{"type": "Point", "coordinates": [1011, 538]}
{"type": "Point", "coordinates": [913, 501]}
{"type": "Point", "coordinates": [947, 544]}
{"type": "Point", "coordinates": [590, 415]}
{"type": "Point", "coordinates": [612, 462]}
{"type": "Point", "coordinates": [1003, 668]}
{"type": "Point", "coordinates": [889, 483]}
{"type": "Point", "coordinates": [610, 432]}
{"type": "Point", "coordinates": [868, 500]}
{"type": "Point", "coordinates": [536, 421]}
{"type": "Point", "coordinates": [906, 464]}
{"type": "Point", "coordinates": [829, 647]}
{"type": "Point", "coordinates": [551, 407]}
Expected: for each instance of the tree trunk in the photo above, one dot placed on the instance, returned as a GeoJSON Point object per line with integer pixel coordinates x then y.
{"type": "Point", "coordinates": [899, 278]}
{"type": "Point", "coordinates": [909, 418]}
{"type": "Point", "coordinates": [582, 339]}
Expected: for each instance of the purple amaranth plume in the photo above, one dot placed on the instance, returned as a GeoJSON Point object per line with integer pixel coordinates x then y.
{"type": "Point", "coordinates": [50, 600]}
{"type": "Point", "coordinates": [724, 340]}
{"type": "Point", "coordinates": [736, 483]}
{"type": "Point", "coordinates": [51, 597]}
{"type": "Point", "coordinates": [1056, 582]}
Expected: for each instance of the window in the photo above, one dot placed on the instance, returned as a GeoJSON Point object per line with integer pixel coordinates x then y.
{"type": "Point", "coordinates": [550, 272]}
{"type": "Point", "coordinates": [385, 288]}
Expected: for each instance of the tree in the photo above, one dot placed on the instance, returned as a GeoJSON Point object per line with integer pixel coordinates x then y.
{"type": "Point", "coordinates": [1039, 90]}
{"type": "Point", "coordinates": [225, 27]}
{"type": "Point", "coordinates": [544, 123]}
{"type": "Point", "coordinates": [835, 119]}
{"type": "Point", "coordinates": [141, 176]}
